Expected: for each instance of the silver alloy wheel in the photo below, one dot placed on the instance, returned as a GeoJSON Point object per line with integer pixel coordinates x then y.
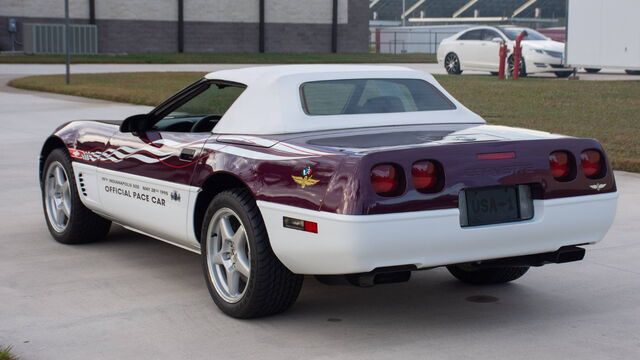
{"type": "Point", "coordinates": [57, 196]}
{"type": "Point", "coordinates": [228, 255]}
{"type": "Point", "coordinates": [510, 64]}
{"type": "Point", "coordinates": [452, 64]}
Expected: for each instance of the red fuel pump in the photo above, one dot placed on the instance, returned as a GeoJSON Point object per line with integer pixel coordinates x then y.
{"type": "Point", "coordinates": [503, 58]}
{"type": "Point", "coordinates": [517, 54]}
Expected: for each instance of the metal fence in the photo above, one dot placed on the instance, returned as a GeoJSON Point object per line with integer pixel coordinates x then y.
{"type": "Point", "coordinates": [387, 41]}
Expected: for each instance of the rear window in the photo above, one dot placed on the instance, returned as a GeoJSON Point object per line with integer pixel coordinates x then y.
{"type": "Point", "coordinates": [371, 96]}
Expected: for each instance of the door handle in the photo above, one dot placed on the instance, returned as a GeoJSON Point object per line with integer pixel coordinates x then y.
{"type": "Point", "coordinates": [188, 154]}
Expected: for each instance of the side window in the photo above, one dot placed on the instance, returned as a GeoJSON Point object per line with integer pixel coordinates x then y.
{"type": "Point", "coordinates": [488, 35]}
{"type": "Point", "coordinates": [471, 35]}
{"type": "Point", "coordinates": [203, 109]}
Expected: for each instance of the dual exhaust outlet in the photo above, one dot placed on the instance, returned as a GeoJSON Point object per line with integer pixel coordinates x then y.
{"type": "Point", "coordinates": [397, 274]}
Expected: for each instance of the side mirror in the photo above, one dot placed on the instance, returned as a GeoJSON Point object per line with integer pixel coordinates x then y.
{"type": "Point", "coordinates": [134, 123]}
{"type": "Point", "coordinates": [497, 40]}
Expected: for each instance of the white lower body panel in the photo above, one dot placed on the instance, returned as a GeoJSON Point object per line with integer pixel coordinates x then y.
{"type": "Point", "coordinates": [161, 209]}
{"type": "Point", "coordinates": [360, 243]}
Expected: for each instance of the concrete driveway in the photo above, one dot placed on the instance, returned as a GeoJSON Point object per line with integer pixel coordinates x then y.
{"type": "Point", "coordinates": [131, 297]}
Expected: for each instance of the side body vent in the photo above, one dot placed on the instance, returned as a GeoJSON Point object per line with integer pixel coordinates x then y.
{"type": "Point", "coordinates": [81, 182]}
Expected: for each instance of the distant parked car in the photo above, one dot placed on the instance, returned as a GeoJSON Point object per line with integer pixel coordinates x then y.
{"type": "Point", "coordinates": [477, 48]}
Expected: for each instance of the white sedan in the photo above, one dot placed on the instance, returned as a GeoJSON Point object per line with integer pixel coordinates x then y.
{"type": "Point", "coordinates": [478, 49]}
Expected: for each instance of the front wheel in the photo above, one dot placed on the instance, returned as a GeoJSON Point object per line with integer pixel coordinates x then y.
{"type": "Point", "coordinates": [452, 64]}
{"type": "Point", "coordinates": [68, 220]}
{"type": "Point", "coordinates": [523, 69]}
{"type": "Point", "coordinates": [632, 72]}
{"type": "Point", "coordinates": [243, 275]}
{"type": "Point", "coordinates": [485, 276]}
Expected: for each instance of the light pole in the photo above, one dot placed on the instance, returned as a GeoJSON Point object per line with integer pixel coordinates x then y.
{"type": "Point", "coordinates": [67, 41]}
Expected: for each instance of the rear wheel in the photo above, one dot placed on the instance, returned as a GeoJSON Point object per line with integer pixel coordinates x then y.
{"type": "Point", "coordinates": [495, 73]}
{"type": "Point", "coordinates": [243, 275]}
{"type": "Point", "coordinates": [485, 276]}
{"type": "Point", "coordinates": [452, 64]}
{"type": "Point", "coordinates": [632, 72]}
{"type": "Point", "coordinates": [592, 70]}
{"type": "Point", "coordinates": [68, 220]}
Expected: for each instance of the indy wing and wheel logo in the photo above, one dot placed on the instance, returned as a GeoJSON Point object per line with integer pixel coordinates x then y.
{"type": "Point", "coordinates": [306, 179]}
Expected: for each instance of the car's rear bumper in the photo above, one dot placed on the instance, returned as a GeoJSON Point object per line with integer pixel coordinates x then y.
{"type": "Point", "coordinates": [360, 243]}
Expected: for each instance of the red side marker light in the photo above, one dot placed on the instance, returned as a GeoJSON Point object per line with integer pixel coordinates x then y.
{"type": "Point", "coordinates": [302, 225]}
{"type": "Point", "coordinates": [311, 227]}
{"type": "Point", "coordinates": [497, 156]}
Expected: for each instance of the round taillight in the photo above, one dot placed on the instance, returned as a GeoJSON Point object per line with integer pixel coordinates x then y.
{"type": "Point", "coordinates": [591, 163]}
{"type": "Point", "coordinates": [561, 165]}
{"type": "Point", "coordinates": [425, 175]}
{"type": "Point", "coordinates": [385, 179]}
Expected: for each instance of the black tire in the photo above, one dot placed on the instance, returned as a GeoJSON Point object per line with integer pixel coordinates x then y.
{"type": "Point", "coordinates": [563, 74]}
{"type": "Point", "coordinates": [452, 64]}
{"type": "Point", "coordinates": [592, 70]}
{"type": "Point", "coordinates": [632, 72]}
{"type": "Point", "coordinates": [83, 225]}
{"type": "Point", "coordinates": [493, 73]}
{"type": "Point", "coordinates": [485, 276]}
{"type": "Point", "coordinates": [523, 67]}
{"type": "Point", "coordinates": [271, 288]}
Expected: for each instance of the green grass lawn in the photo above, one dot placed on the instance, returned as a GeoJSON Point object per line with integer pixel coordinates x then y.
{"type": "Point", "coordinates": [213, 58]}
{"type": "Point", "coordinates": [606, 110]}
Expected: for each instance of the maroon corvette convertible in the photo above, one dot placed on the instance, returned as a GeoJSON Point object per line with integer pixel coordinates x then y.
{"type": "Point", "coordinates": [357, 173]}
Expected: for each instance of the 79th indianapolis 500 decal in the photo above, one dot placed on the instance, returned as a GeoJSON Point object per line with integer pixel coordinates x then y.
{"type": "Point", "coordinates": [140, 193]}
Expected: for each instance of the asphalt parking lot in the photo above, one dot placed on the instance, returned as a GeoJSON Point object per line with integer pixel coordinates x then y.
{"type": "Point", "coordinates": [132, 297]}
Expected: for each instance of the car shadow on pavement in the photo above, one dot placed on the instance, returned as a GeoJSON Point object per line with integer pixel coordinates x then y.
{"type": "Point", "coordinates": [430, 298]}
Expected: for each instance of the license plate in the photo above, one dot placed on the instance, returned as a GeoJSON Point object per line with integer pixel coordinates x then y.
{"type": "Point", "coordinates": [495, 205]}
